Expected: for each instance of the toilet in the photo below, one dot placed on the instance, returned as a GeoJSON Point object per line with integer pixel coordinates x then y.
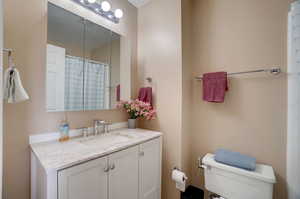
{"type": "Point", "coordinates": [235, 183]}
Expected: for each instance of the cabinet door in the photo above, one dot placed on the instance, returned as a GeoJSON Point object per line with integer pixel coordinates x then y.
{"type": "Point", "coordinates": [85, 181]}
{"type": "Point", "coordinates": [123, 174]}
{"type": "Point", "coordinates": [150, 170]}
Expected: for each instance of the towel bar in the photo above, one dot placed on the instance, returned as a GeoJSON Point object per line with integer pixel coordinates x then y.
{"type": "Point", "coordinates": [273, 71]}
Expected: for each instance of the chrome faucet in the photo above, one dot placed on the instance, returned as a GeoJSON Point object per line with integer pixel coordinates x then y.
{"type": "Point", "coordinates": [98, 127]}
{"type": "Point", "coordinates": [106, 127]}
{"type": "Point", "coordinates": [101, 127]}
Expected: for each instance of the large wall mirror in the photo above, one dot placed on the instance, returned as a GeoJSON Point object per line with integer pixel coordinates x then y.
{"type": "Point", "coordinates": [83, 63]}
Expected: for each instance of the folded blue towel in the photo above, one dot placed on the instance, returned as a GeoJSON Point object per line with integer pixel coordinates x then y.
{"type": "Point", "coordinates": [235, 159]}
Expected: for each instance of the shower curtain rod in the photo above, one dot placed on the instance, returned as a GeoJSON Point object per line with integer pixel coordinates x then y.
{"type": "Point", "coordinates": [273, 71]}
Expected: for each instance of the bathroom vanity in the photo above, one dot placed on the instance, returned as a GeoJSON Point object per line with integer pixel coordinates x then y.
{"type": "Point", "coordinates": [124, 164]}
{"type": "Point", "coordinates": [88, 69]}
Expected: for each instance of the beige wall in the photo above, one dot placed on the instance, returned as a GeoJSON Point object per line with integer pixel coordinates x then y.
{"type": "Point", "coordinates": [186, 87]}
{"type": "Point", "coordinates": [159, 57]}
{"type": "Point", "coordinates": [72, 50]}
{"type": "Point", "coordinates": [234, 36]}
{"type": "Point", "coordinates": [217, 35]}
{"type": "Point", "coordinates": [1, 97]}
{"type": "Point", "coordinates": [25, 32]}
{"type": "Point", "coordinates": [110, 53]}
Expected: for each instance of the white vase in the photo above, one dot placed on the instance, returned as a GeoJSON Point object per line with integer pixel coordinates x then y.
{"type": "Point", "coordinates": [131, 123]}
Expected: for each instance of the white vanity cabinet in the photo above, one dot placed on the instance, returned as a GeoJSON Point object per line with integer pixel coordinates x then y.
{"type": "Point", "coordinates": [131, 173]}
{"type": "Point", "coordinates": [123, 177]}
{"type": "Point", "coordinates": [87, 180]}
{"type": "Point", "coordinates": [150, 170]}
{"type": "Point", "coordinates": [115, 176]}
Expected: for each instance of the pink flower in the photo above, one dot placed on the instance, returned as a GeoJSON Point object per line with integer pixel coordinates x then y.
{"type": "Point", "coordinates": [136, 109]}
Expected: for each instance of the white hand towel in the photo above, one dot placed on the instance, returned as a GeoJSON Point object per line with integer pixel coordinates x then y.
{"type": "Point", "coordinates": [13, 88]}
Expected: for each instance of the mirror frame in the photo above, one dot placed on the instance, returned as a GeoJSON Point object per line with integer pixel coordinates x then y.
{"type": "Point", "coordinates": [125, 48]}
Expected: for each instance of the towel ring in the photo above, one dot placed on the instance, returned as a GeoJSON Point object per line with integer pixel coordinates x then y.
{"type": "Point", "coordinates": [149, 79]}
{"type": "Point", "coordinates": [9, 51]}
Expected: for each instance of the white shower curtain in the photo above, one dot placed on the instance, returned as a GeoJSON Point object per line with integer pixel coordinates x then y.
{"type": "Point", "coordinates": [96, 85]}
{"type": "Point", "coordinates": [74, 83]}
{"type": "Point", "coordinates": [87, 84]}
{"type": "Point", "coordinates": [293, 138]}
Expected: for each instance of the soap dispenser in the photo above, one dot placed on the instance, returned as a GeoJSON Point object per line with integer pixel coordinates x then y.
{"type": "Point", "coordinates": [64, 130]}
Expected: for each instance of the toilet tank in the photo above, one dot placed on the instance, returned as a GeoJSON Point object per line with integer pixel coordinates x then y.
{"type": "Point", "coordinates": [235, 183]}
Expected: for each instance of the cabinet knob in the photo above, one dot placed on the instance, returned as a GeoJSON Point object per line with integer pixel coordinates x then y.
{"type": "Point", "coordinates": [142, 153]}
{"type": "Point", "coordinates": [112, 167]}
{"type": "Point", "coordinates": [106, 169]}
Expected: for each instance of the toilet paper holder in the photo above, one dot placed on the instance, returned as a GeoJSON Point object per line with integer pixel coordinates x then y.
{"type": "Point", "coordinates": [202, 166]}
{"type": "Point", "coordinates": [176, 168]}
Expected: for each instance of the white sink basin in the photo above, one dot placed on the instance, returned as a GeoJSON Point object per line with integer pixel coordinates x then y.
{"type": "Point", "coordinates": [106, 140]}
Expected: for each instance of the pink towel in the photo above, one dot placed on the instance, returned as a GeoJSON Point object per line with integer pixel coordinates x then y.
{"type": "Point", "coordinates": [145, 95]}
{"type": "Point", "coordinates": [215, 86]}
{"type": "Point", "coordinates": [118, 93]}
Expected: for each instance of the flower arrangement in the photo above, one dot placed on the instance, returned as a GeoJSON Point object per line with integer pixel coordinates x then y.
{"type": "Point", "coordinates": [138, 109]}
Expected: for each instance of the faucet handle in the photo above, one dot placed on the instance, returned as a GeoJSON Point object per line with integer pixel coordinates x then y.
{"type": "Point", "coordinates": [98, 126]}
{"type": "Point", "coordinates": [106, 127]}
{"type": "Point", "coordinates": [85, 131]}
{"type": "Point", "coordinates": [98, 121]}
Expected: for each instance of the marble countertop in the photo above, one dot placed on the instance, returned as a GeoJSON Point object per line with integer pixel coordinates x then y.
{"type": "Point", "coordinates": [56, 155]}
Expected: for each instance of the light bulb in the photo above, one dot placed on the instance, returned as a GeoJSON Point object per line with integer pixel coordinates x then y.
{"type": "Point", "coordinates": [105, 6]}
{"type": "Point", "coordinates": [91, 1]}
{"type": "Point", "coordinates": [119, 13]}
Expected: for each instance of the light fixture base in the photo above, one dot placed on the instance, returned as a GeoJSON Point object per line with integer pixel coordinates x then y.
{"type": "Point", "coordinates": [96, 8]}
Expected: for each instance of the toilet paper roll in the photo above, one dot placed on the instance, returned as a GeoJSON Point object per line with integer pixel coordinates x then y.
{"type": "Point", "coordinates": [180, 179]}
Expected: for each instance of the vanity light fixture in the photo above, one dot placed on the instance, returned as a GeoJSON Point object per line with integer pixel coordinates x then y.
{"type": "Point", "coordinates": [119, 13]}
{"type": "Point", "coordinates": [105, 6]}
{"type": "Point", "coordinates": [102, 8]}
{"type": "Point", "coordinates": [92, 1]}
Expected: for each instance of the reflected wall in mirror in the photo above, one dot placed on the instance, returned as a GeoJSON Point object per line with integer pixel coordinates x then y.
{"type": "Point", "coordinates": [83, 63]}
